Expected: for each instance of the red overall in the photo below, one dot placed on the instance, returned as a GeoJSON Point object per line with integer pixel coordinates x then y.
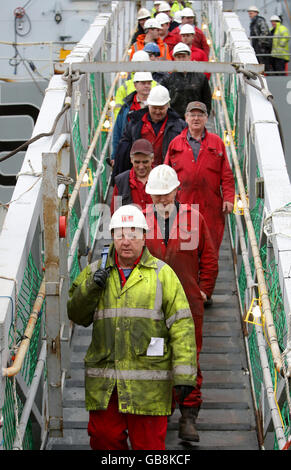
{"type": "Point", "coordinates": [203, 181]}
{"type": "Point", "coordinates": [147, 132]}
{"type": "Point", "coordinates": [191, 254]}
{"type": "Point", "coordinates": [109, 429]}
{"type": "Point", "coordinates": [138, 194]}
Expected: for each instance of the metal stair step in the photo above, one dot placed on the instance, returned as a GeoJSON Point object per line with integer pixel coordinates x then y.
{"type": "Point", "coordinates": [220, 361]}
{"type": "Point", "coordinates": [73, 439]}
{"type": "Point", "coordinates": [220, 345]}
{"type": "Point", "coordinates": [221, 329]}
{"type": "Point", "coordinates": [214, 440]}
{"type": "Point", "coordinates": [225, 399]}
{"type": "Point", "coordinates": [218, 420]}
{"type": "Point", "coordinates": [75, 418]}
{"type": "Point", "coordinates": [215, 314]}
{"type": "Point", "coordinates": [225, 379]}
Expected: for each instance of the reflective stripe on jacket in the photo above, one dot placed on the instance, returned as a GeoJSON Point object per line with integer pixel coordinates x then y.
{"type": "Point", "coordinates": [280, 46]}
{"type": "Point", "coordinates": [150, 309]}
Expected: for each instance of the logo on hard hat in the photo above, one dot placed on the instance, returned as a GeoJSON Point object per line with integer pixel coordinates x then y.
{"type": "Point", "coordinates": [127, 218]}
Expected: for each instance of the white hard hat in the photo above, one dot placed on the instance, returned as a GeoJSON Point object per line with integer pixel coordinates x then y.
{"type": "Point", "coordinates": [151, 23]}
{"type": "Point", "coordinates": [181, 47]}
{"type": "Point", "coordinates": [162, 180]}
{"type": "Point", "coordinates": [162, 18]}
{"type": "Point", "coordinates": [157, 1]}
{"type": "Point", "coordinates": [164, 6]}
{"type": "Point", "coordinates": [187, 12]}
{"type": "Point", "coordinates": [142, 77]}
{"type": "Point", "coordinates": [187, 29]}
{"type": "Point", "coordinates": [159, 96]}
{"type": "Point", "coordinates": [128, 216]}
{"type": "Point", "coordinates": [143, 13]}
{"type": "Point", "coordinates": [139, 56]}
{"type": "Point", "coordinates": [275, 18]}
{"type": "Point", "coordinates": [177, 16]}
{"type": "Point", "coordinates": [253, 8]}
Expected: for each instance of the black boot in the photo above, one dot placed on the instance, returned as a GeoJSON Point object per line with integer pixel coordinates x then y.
{"type": "Point", "coordinates": [187, 429]}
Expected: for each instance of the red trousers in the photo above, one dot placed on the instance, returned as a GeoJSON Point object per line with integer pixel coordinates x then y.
{"type": "Point", "coordinates": [195, 397]}
{"type": "Point", "coordinates": [109, 429]}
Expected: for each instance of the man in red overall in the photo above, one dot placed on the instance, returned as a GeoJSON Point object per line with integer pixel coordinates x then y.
{"type": "Point", "coordinates": [201, 163]}
{"type": "Point", "coordinates": [178, 234]}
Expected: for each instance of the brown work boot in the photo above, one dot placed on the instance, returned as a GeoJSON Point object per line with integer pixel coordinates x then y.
{"type": "Point", "coordinates": [187, 429]}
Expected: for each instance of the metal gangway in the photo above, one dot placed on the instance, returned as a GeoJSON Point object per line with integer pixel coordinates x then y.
{"type": "Point", "coordinates": [56, 224]}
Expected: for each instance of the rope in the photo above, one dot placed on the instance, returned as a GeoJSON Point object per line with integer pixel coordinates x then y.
{"type": "Point", "coordinates": [285, 210]}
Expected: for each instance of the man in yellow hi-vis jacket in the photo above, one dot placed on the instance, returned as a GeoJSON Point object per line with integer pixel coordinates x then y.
{"type": "Point", "coordinates": [143, 339]}
{"type": "Point", "coordinates": [280, 45]}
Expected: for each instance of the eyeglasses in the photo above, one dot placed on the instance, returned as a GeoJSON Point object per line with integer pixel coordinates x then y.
{"type": "Point", "coordinates": [196, 115]}
{"type": "Point", "coordinates": [155, 54]}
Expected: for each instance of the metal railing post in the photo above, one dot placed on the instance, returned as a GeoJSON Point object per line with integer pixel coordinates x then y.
{"type": "Point", "coordinates": [52, 287]}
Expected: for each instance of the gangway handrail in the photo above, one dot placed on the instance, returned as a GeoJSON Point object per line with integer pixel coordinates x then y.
{"type": "Point", "coordinates": [262, 287]}
{"type": "Point", "coordinates": [96, 135]}
{"type": "Point", "coordinates": [24, 344]}
{"type": "Point", "coordinates": [31, 317]}
{"type": "Point", "coordinates": [276, 416]}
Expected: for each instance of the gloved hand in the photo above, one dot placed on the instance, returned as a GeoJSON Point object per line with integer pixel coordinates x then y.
{"type": "Point", "coordinates": [100, 276]}
{"type": "Point", "coordinates": [182, 391]}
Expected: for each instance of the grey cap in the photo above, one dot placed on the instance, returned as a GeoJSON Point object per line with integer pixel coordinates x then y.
{"type": "Point", "coordinates": [196, 105]}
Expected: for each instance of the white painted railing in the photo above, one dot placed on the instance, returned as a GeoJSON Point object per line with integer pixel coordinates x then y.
{"type": "Point", "coordinates": [31, 224]}
{"type": "Point", "coordinates": [255, 138]}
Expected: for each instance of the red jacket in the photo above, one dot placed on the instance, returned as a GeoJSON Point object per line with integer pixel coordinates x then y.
{"type": "Point", "coordinates": [137, 192]}
{"type": "Point", "coordinates": [189, 252]}
{"type": "Point", "coordinates": [171, 39]}
{"type": "Point", "coordinates": [203, 181]}
{"type": "Point", "coordinates": [148, 133]}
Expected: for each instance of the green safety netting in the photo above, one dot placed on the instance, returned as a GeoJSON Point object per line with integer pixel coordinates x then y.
{"type": "Point", "coordinates": [14, 399]}
{"type": "Point", "coordinates": [270, 267]}
{"type": "Point", "coordinates": [25, 301]}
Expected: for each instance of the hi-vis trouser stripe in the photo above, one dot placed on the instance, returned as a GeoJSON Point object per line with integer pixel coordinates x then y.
{"type": "Point", "coordinates": [140, 374]}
